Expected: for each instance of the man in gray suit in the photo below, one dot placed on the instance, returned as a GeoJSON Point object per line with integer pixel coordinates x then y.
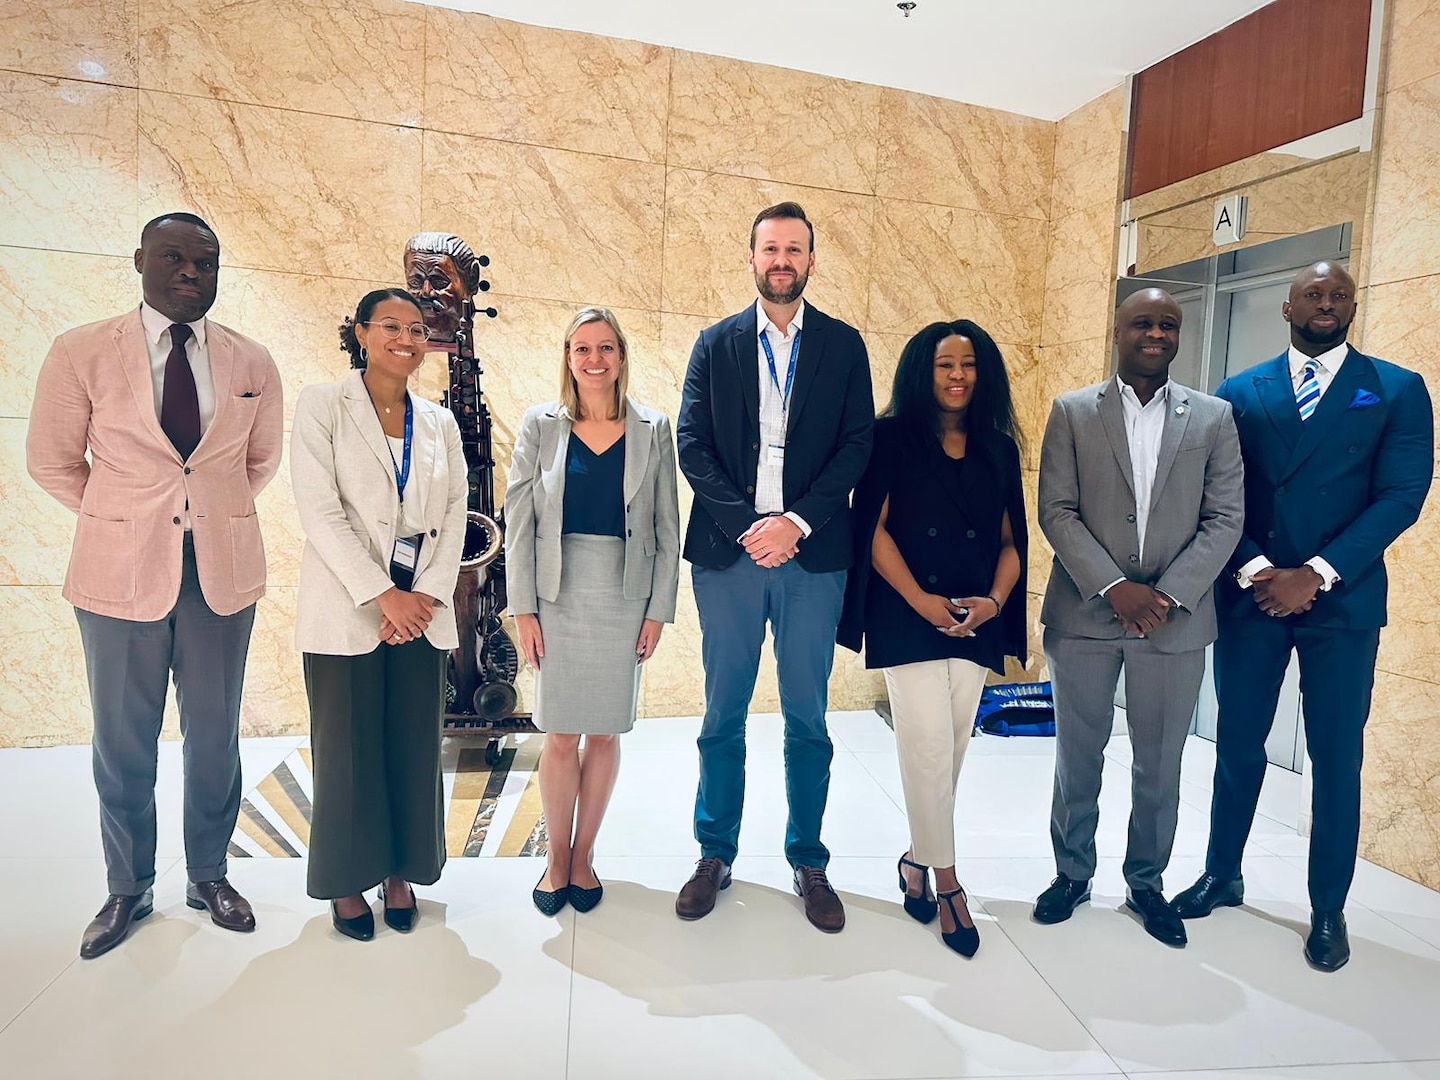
{"type": "Point", "coordinates": [1142, 498]}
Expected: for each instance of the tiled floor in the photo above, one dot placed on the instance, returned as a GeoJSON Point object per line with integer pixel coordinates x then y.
{"type": "Point", "coordinates": [488, 987]}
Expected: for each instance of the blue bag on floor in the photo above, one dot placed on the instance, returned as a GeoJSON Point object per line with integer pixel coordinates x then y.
{"type": "Point", "coordinates": [1017, 709]}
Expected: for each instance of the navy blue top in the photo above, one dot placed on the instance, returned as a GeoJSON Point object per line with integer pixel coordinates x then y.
{"type": "Point", "coordinates": [595, 489]}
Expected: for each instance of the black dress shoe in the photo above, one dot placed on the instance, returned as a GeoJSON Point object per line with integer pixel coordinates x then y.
{"type": "Point", "coordinates": [1208, 893]}
{"type": "Point", "coordinates": [113, 922]}
{"type": "Point", "coordinates": [228, 909]}
{"type": "Point", "coordinates": [922, 908]}
{"type": "Point", "coordinates": [549, 903]}
{"type": "Point", "coordinates": [1059, 901]}
{"type": "Point", "coordinates": [583, 900]}
{"type": "Point", "coordinates": [1157, 916]}
{"type": "Point", "coordinates": [400, 918]}
{"type": "Point", "coordinates": [361, 927]}
{"type": "Point", "coordinates": [963, 939]}
{"type": "Point", "coordinates": [1328, 946]}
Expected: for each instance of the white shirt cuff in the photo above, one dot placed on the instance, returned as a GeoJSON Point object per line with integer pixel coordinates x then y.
{"type": "Point", "coordinates": [1250, 569]}
{"type": "Point", "coordinates": [800, 523]}
{"type": "Point", "coordinates": [1327, 572]}
{"type": "Point", "coordinates": [1112, 584]}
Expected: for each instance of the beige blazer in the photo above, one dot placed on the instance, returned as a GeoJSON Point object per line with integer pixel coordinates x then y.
{"type": "Point", "coordinates": [345, 492]}
{"type": "Point", "coordinates": [535, 510]}
{"type": "Point", "coordinates": [96, 393]}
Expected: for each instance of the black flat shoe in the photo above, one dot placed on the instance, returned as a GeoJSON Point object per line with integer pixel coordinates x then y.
{"type": "Point", "coordinates": [361, 927]}
{"type": "Point", "coordinates": [583, 900]}
{"type": "Point", "coordinates": [963, 939]}
{"type": "Point", "coordinates": [1328, 946]}
{"type": "Point", "coordinates": [1059, 901]}
{"type": "Point", "coordinates": [1208, 893]}
{"type": "Point", "coordinates": [400, 918]}
{"type": "Point", "coordinates": [1157, 916]}
{"type": "Point", "coordinates": [922, 908]}
{"type": "Point", "coordinates": [549, 903]}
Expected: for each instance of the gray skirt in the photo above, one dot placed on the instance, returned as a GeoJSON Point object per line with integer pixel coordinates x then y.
{"type": "Point", "coordinates": [588, 682]}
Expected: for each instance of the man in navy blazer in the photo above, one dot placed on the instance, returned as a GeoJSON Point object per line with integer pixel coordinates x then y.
{"type": "Point", "coordinates": [773, 435]}
{"type": "Point", "coordinates": [1339, 452]}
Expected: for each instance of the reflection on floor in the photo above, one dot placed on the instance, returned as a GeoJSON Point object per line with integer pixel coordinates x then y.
{"type": "Point", "coordinates": [487, 986]}
{"type": "Point", "coordinates": [490, 810]}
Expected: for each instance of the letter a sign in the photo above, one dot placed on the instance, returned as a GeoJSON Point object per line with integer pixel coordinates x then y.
{"type": "Point", "coordinates": [1229, 225]}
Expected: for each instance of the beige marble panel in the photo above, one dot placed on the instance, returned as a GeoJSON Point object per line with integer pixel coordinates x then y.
{"type": "Point", "coordinates": [280, 526]}
{"type": "Point", "coordinates": [530, 84]}
{"type": "Point", "coordinates": [43, 294]}
{"type": "Point", "coordinates": [1400, 809]}
{"type": "Point", "coordinates": [557, 225]}
{"type": "Point", "coordinates": [1037, 568]}
{"type": "Point", "coordinates": [274, 701]}
{"type": "Point", "coordinates": [707, 244]}
{"type": "Point", "coordinates": [284, 191]}
{"type": "Point", "coordinates": [939, 151]}
{"type": "Point", "coordinates": [1326, 193]}
{"type": "Point", "coordinates": [38, 530]}
{"type": "Point", "coordinates": [320, 57]}
{"type": "Point", "coordinates": [67, 165]}
{"type": "Point", "coordinates": [935, 262]}
{"type": "Point", "coordinates": [1089, 155]}
{"type": "Point", "coordinates": [1080, 276]}
{"type": "Point", "coordinates": [1414, 42]}
{"type": "Point", "coordinates": [1398, 326]}
{"type": "Point", "coordinates": [727, 116]}
{"type": "Point", "coordinates": [1222, 179]}
{"type": "Point", "coordinates": [74, 39]}
{"type": "Point", "coordinates": [673, 679]}
{"type": "Point", "coordinates": [1406, 238]}
{"type": "Point", "coordinates": [1410, 645]}
{"type": "Point", "coordinates": [852, 685]}
{"type": "Point", "coordinates": [46, 700]}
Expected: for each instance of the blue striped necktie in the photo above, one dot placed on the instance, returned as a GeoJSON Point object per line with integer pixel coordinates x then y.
{"type": "Point", "coordinates": [1308, 396]}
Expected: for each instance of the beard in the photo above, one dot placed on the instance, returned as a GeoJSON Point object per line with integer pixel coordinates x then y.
{"type": "Point", "coordinates": [781, 296]}
{"type": "Point", "coordinates": [1329, 337]}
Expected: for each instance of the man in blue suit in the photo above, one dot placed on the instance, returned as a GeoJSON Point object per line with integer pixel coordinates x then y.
{"type": "Point", "coordinates": [1339, 452]}
{"type": "Point", "coordinates": [773, 434]}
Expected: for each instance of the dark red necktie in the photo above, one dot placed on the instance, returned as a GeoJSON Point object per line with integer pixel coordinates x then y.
{"type": "Point", "coordinates": [180, 403]}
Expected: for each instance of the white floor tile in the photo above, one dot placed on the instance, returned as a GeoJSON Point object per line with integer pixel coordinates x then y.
{"type": "Point", "coordinates": [1369, 1070]}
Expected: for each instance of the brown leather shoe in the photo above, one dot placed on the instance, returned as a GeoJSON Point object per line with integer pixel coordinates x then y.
{"type": "Point", "coordinates": [697, 897]}
{"type": "Point", "coordinates": [113, 922]}
{"type": "Point", "coordinates": [822, 906]}
{"type": "Point", "coordinates": [228, 909]}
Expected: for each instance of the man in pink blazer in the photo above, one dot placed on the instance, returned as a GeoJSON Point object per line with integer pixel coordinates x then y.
{"type": "Point", "coordinates": [182, 421]}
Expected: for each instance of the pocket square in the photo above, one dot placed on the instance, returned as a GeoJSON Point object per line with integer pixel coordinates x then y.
{"type": "Point", "coordinates": [252, 393]}
{"type": "Point", "coordinates": [1363, 399]}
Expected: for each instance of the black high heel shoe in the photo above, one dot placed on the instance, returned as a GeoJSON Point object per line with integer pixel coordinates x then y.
{"type": "Point", "coordinates": [361, 927]}
{"type": "Point", "coordinates": [400, 918]}
{"type": "Point", "coordinates": [549, 903]}
{"type": "Point", "coordinates": [922, 908]}
{"type": "Point", "coordinates": [963, 939]}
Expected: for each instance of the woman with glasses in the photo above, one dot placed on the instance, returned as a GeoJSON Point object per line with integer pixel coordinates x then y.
{"type": "Point", "coordinates": [380, 484]}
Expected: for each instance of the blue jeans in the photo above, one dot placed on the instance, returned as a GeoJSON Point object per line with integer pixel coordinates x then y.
{"type": "Point", "coordinates": [803, 610]}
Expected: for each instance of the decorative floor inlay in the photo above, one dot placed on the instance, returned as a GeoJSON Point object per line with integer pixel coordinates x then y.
{"type": "Point", "coordinates": [490, 811]}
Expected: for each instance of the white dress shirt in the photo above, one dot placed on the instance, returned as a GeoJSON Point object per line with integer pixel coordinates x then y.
{"type": "Point", "coordinates": [774, 414]}
{"type": "Point", "coordinates": [1144, 428]}
{"type": "Point", "coordinates": [1326, 366]}
{"type": "Point", "coordinates": [157, 340]}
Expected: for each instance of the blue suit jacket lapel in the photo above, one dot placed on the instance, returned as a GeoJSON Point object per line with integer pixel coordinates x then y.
{"type": "Point", "coordinates": [1332, 407]}
{"type": "Point", "coordinates": [807, 364]}
{"type": "Point", "coordinates": [747, 363]}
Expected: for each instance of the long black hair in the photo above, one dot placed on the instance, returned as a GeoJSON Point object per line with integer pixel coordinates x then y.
{"type": "Point", "coordinates": [368, 303]}
{"type": "Point", "coordinates": [912, 395]}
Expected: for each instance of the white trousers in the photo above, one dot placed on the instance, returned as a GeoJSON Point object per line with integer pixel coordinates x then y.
{"type": "Point", "coordinates": [933, 705]}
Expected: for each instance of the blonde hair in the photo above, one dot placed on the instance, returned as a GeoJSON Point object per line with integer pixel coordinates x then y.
{"type": "Point", "coordinates": [569, 390]}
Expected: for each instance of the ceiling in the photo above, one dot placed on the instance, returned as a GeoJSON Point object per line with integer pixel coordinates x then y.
{"type": "Point", "coordinates": [1042, 58]}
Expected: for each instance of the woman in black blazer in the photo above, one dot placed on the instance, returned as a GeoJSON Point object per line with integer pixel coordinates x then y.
{"type": "Point", "coordinates": [940, 552]}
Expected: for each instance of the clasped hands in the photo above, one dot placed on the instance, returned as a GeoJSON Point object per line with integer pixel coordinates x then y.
{"type": "Point", "coordinates": [942, 612]}
{"type": "Point", "coordinates": [1139, 608]}
{"type": "Point", "coordinates": [1285, 592]}
{"type": "Point", "coordinates": [404, 616]}
{"type": "Point", "coordinates": [772, 541]}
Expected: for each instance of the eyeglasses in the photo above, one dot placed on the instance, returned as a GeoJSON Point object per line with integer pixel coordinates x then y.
{"type": "Point", "coordinates": [418, 331]}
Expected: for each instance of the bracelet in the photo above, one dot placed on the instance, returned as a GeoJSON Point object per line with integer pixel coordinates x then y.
{"type": "Point", "coordinates": [993, 601]}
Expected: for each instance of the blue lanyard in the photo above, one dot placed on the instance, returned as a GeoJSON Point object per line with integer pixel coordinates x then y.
{"type": "Point", "coordinates": [402, 473]}
{"type": "Point", "coordinates": [789, 375]}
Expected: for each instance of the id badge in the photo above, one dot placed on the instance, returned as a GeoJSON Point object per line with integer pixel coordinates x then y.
{"type": "Point", "coordinates": [403, 561]}
{"type": "Point", "coordinates": [775, 456]}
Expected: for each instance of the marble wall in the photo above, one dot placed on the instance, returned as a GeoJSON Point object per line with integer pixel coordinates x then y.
{"type": "Point", "coordinates": [317, 136]}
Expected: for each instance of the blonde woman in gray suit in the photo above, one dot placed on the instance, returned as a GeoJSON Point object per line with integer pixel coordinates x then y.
{"type": "Point", "coordinates": [592, 563]}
